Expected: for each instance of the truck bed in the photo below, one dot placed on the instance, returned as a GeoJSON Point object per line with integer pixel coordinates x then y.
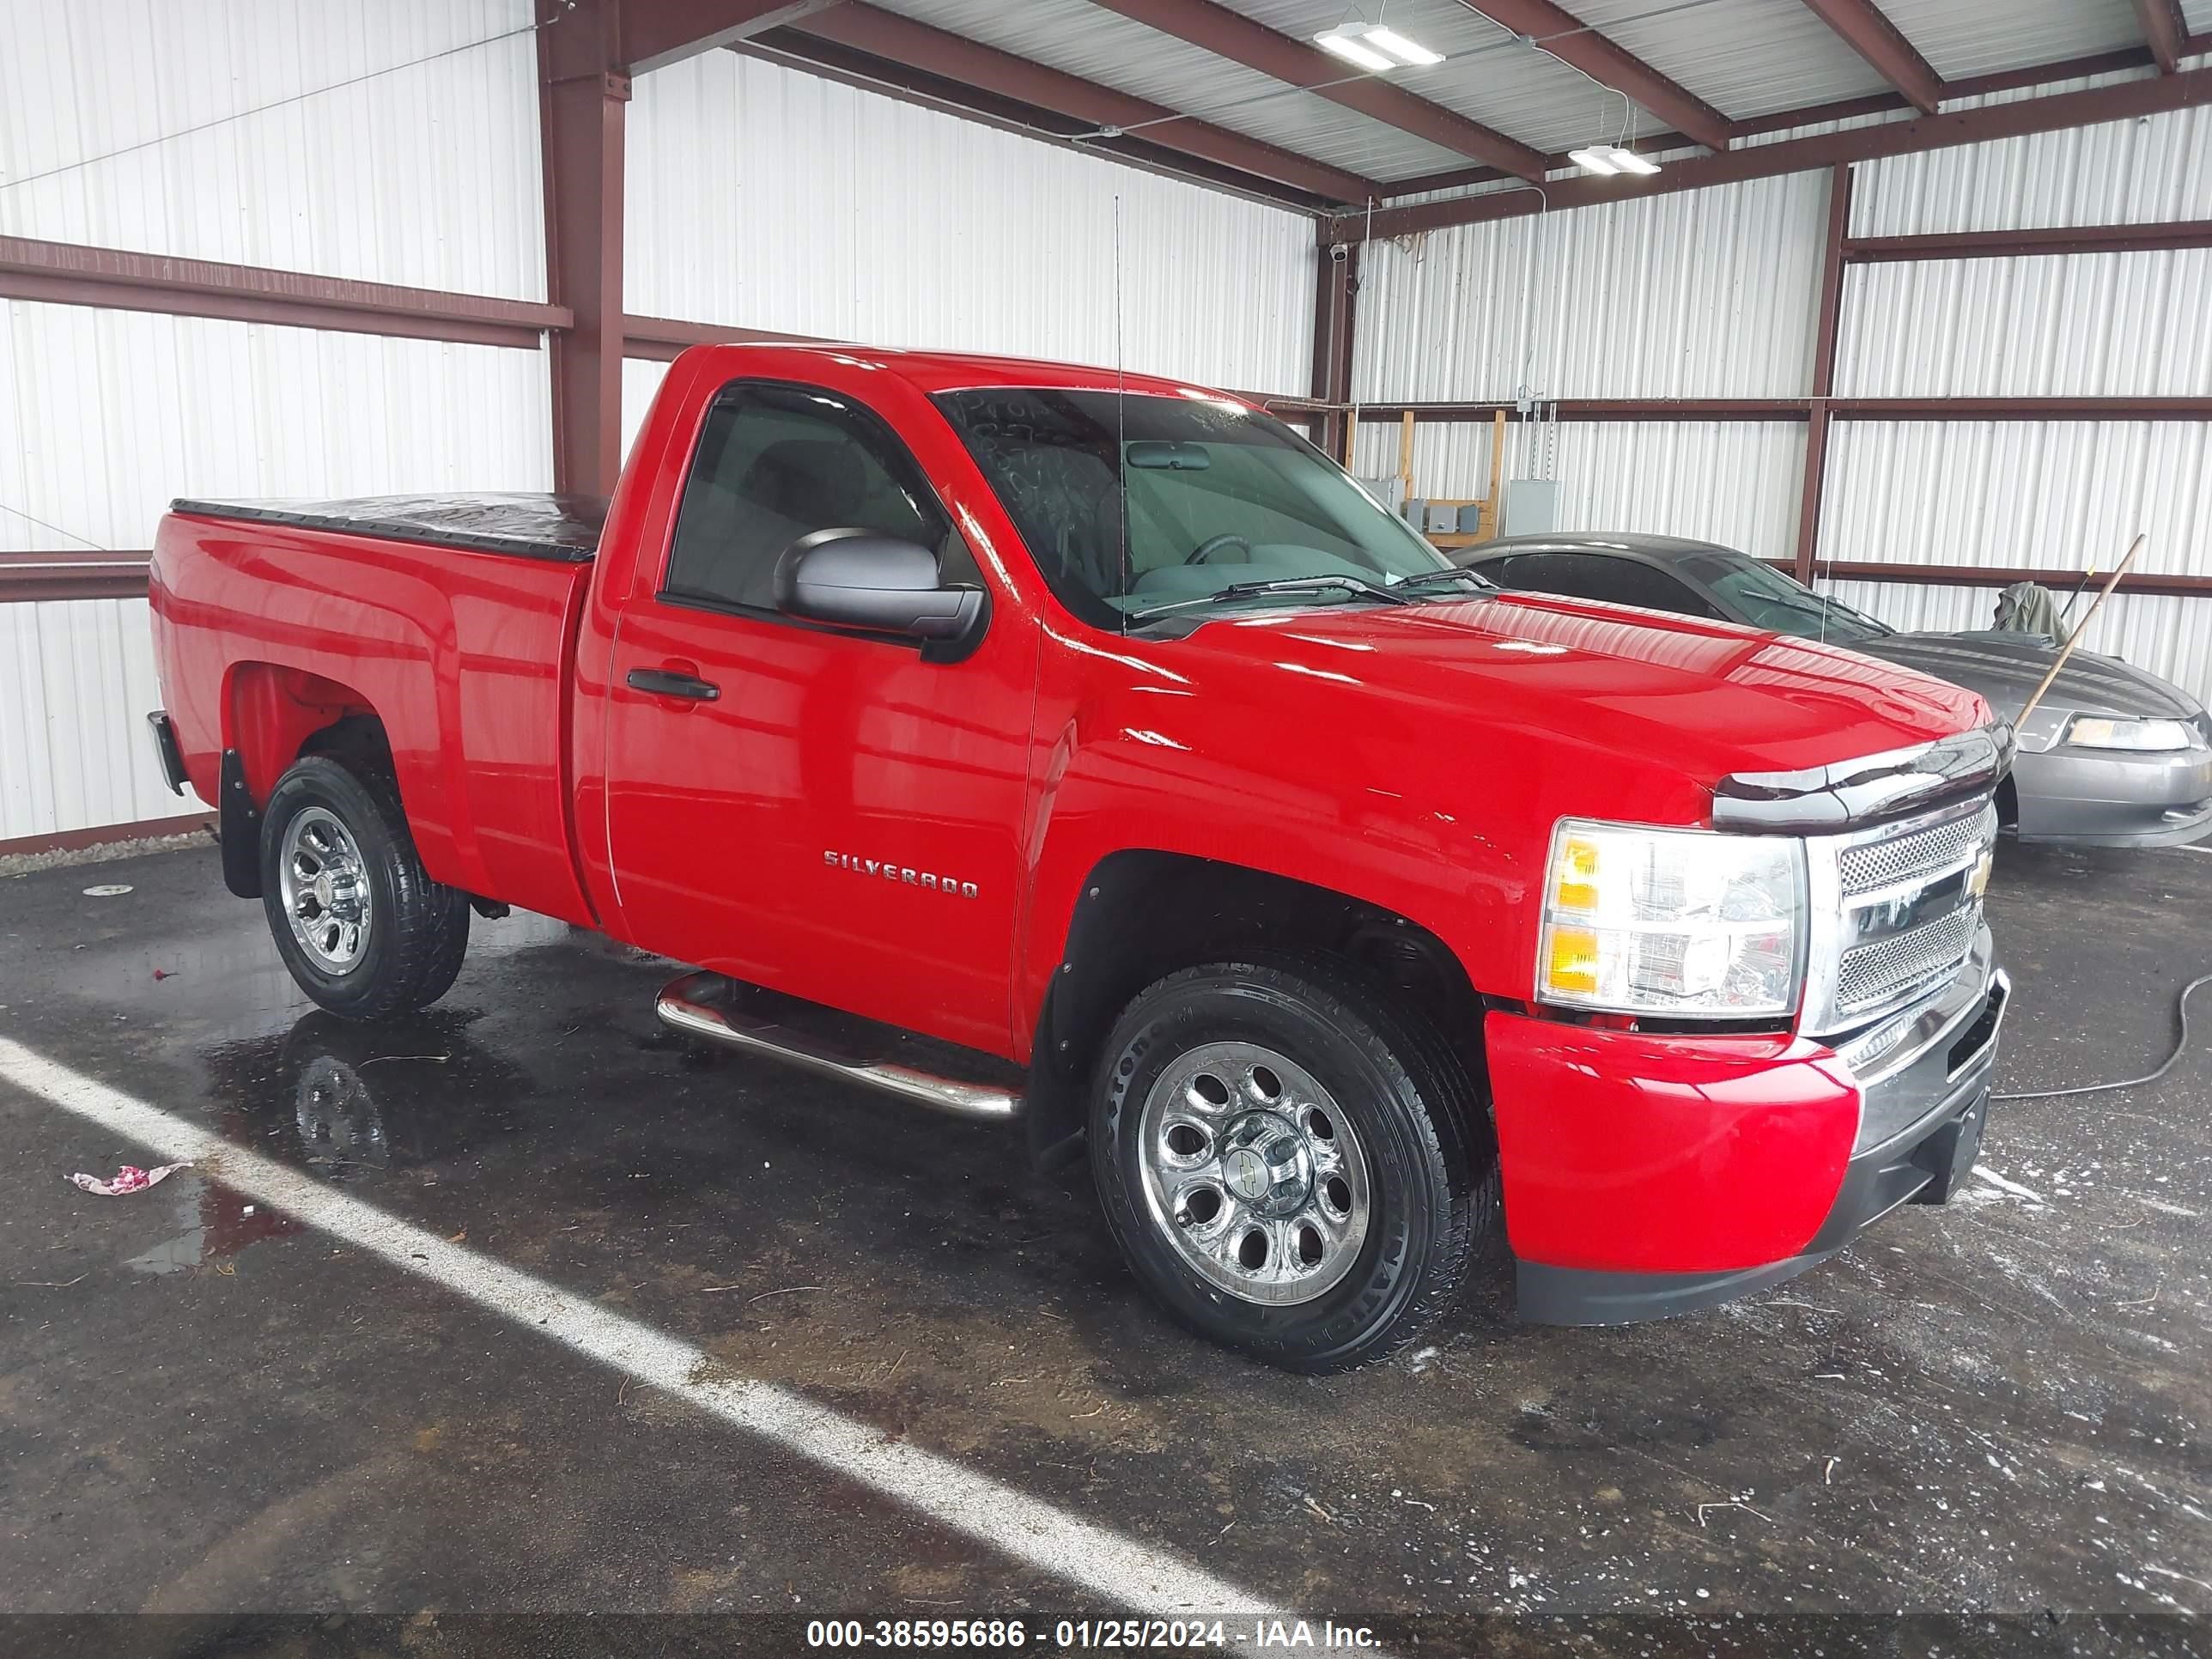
{"type": "Point", "coordinates": [451, 619]}
{"type": "Point", "coordinates": [531, 526]}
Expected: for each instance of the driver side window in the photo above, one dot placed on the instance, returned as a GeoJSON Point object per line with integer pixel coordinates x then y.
{"type": "Point", "coordinates": [778, 462]}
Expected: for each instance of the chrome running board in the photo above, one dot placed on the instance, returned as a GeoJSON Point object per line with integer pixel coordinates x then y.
{"type": "Point", "coordinates": [707, 1006]}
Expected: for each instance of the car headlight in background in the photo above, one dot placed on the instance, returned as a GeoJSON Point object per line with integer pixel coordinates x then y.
{"type": "Point", "coordinates": [1679, 922]}
{"type": "Point", "coordinates": [2136, 737]}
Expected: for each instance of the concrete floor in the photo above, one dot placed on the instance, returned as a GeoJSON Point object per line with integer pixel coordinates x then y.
{"type": "Point", "coordinates": [1997, 1407]}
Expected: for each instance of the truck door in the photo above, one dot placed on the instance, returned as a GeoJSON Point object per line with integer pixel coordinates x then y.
{"type": "Point", "coordinates": [820, 812]}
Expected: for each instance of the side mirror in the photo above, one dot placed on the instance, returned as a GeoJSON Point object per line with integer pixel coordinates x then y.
{"type": "Point", "coordinates": [859, 579]}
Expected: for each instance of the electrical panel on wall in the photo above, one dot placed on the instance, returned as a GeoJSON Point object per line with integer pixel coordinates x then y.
{"type": "Point", "coordinates": [1530, 507]}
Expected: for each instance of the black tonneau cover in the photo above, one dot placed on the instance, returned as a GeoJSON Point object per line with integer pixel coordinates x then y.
{"type": "Point", "coordinates": [561, 527]}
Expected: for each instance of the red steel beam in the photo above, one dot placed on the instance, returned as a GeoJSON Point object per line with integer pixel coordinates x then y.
{"type": "Point", "coordinates": [2022, 409]}
{"type": "Point", "coordinates": [829, 61]}
{"type": "Point", "coordinates": [1841, 109]}
{"type": "Point", "coordinates": [582, 95]}
{"type": "Point", "coordinates": [1570, 41]}
{"type": "Point", "coordinates": [663, 339]}
{"type": "Point", "coordinates": [2155, 237]}
{"type": "Point", "coordinates": [72, 573]}
{"type": "Point", "coordinates": [1866, 30]}
{"type": "Point", "coordinates": [900, 39]}
{"type": "Point", "coordinates": [1230, 34]}
{"type": "Point", "coordinates": [1753, 410]}
{"type": "Point", "coordinates": [1569, 409]}
{"type": "Point", "coordinates": [657, 33]}
{"type": "Point", "coordinates": [1827, 329]}
{"type": "Point", "coordinates": [61, 273]}
{"type": "Point", "coordinates": [2164, 32]}
{"type": "Point", "coordinates": [2123, 100]}
{"type": "Point", "coordinates": [1985, 575]}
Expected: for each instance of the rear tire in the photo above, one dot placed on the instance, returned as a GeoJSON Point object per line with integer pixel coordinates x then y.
{"type": "Point", "coordinates": [1291, 1167]}
{"type": "Point", "coordinates": [364, 930]}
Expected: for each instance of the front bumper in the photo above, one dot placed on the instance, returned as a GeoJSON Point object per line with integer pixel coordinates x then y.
{"type": "Point", "coordinates": [1647, 1176]}
{"type": "Point", "coordinates": [2096, 799]}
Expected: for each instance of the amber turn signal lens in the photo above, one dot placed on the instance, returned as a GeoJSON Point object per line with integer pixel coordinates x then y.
{"type": "Point", "coordinates": [1572, 965]}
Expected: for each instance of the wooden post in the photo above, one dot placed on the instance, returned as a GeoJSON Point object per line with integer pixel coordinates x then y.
{"type": "Point", "coordinates": [1405, 456]}
{"type": "Point", "coordinates": [1496, 505]}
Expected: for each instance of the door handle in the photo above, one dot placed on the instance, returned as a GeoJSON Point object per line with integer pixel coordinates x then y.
{"type": "Point", "coordinates": [667, 683]}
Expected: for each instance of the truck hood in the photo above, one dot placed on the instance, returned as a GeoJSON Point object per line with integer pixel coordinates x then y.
{"type": "Point", "coordinates": [1702, 699]}
{"type": "Point", "coordinates": [2006, 668]}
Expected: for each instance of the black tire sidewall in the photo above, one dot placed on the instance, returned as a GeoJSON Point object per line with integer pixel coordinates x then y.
{"type": "Point", "coordinates": [318, 780]}
{"type": "Point", "coordinates": [1410, 1184]}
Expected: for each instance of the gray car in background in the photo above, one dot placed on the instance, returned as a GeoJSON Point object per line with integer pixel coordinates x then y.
{"type": "Point", "coordinates": [2112, 756]}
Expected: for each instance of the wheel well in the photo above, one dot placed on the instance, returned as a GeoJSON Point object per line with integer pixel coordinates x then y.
{"type": "Point", "coordinates": [2007, 803]}
{"type": "Point", "coordinates": [276, 714]}
{"type": "Point", "coordinates": [272, 716]}
{"type": "Point", "coordinates": [1141, 915]}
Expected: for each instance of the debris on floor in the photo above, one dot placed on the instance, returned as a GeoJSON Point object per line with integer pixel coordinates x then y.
{"type": "Point", "coordinates": [128, 1179]}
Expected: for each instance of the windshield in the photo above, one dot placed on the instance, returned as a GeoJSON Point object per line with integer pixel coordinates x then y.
{"type": "Point", "coordinates": [1757, 594]}
{"type": "Point", "coordinates": [1219, 497]}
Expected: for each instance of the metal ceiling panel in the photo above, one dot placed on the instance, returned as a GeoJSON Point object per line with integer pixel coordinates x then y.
{"type": "Point", "coordinates": [1745, 58]}
{"type": "Point", "coordinates": [1080, 39]}
{"type": "Point", "coordinates": [1488, 76]}
{"type": "Point", "coordinates": [1964, 38]}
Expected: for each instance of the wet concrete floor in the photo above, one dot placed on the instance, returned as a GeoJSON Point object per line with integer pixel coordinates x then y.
{"type": "Point", "coordinates": [1996, 1407]}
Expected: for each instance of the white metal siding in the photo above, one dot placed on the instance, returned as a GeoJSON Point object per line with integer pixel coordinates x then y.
{"type": "Point", "coordinates": [76, 678]}
{"type": "Point", "coordinates": [1734, 483]}
{"type": "Point", "coordinates": [423, 173]}
{"type": "Point", "coordinates": [1715, 295]}
{"type": "Point", "coordinates": [105, 416]}
{"type": "Point", "coordinates": [762, 197]}
{"type": "Point", "coordinates": [1702, 294]}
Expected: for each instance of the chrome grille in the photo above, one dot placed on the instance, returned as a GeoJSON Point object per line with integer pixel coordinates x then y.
{"type": "Point", "coordinates": [1875, 865]}
{"type": "Point", "coordinates": [1873, 976]}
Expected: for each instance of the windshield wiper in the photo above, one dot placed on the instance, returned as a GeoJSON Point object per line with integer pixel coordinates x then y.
{"type": "Point", "coordinates": [1463, 572]}
{"type": "Point", "coordinates": [1358, 584]}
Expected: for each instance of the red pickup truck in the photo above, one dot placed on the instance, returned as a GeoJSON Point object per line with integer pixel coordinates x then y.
{"type": "Point", "coordinates": [1027, 740]}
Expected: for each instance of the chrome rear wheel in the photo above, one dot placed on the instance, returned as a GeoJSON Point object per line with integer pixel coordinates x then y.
{"type": "Point", "coordinates": [325, 890]}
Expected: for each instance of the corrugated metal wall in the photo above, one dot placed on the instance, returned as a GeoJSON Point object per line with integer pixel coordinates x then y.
{"type": "Point", "coordinates": [423, 174]}
{"type": "Point", "coordinates": [841, 213]}
{"type": "Point", "coordinates": [1714, 293]}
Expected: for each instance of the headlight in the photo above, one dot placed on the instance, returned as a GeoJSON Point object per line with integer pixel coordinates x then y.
{"type": "Point", "coordinates": [2140, 737]}
{"type": "Point", "coordinates": [1671, 922]}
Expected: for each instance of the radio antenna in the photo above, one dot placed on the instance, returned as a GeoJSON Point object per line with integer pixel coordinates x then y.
{"type": "Point", "coordinates": [1120, 429]}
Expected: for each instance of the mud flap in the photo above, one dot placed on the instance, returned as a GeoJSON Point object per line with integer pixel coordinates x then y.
{"type": "Point", "coordinates": [241, 830]}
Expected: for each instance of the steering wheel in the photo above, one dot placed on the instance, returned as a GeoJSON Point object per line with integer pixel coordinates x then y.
{"type": "Point", "coordinates": [1206, 548]}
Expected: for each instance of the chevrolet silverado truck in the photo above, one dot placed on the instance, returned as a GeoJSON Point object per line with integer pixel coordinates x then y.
{"type": "Point", "coordinates": [1027, 740]}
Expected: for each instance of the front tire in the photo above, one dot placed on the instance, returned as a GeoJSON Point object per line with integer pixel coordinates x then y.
{"type": "Point", "coordinates": [364, 930]}
{"type": "Point", "coordinates": [1291, 1167]}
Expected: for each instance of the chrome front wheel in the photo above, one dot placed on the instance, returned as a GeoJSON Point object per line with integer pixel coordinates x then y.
{"type": "Point", "coordinates": [324, 889]}
{"type": "Point", "coordinates": [1253, 1173]}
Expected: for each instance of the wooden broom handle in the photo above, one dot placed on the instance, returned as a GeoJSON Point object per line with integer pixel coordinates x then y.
{"type": "Point", "coordinates": [2074, 638]}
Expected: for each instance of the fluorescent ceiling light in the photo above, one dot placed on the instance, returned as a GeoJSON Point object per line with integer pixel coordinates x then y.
{"type": "Point", "coordinates": [1605, 158]}
{"type": "Point", "coordinates": [1375, 48]}
{"type": "Point", "coordinates": [1411, 54]}
{"type": "Point", "coordinates": [1353, 50]}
